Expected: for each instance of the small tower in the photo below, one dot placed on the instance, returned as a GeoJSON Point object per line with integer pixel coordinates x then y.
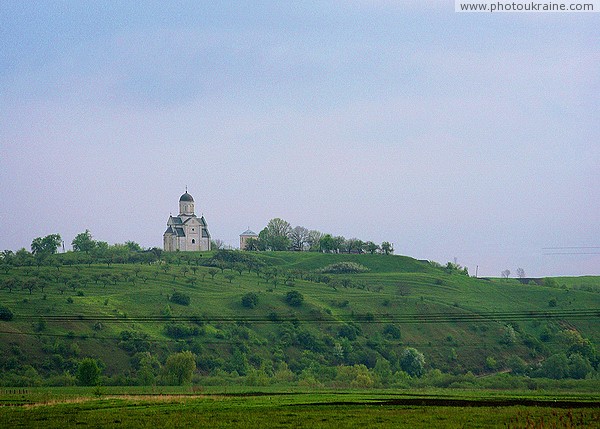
{"type": "Point", "coordinates": [244, 236]}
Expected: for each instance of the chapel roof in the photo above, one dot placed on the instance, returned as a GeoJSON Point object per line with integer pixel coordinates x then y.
{"type": "Point", "coordinates": [186, 197]}
{"type": "Point", "coordinates": [249, 232]}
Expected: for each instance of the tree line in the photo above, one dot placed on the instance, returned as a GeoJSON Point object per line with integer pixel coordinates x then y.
{"type": "Point", "coordinates": [279, 235]}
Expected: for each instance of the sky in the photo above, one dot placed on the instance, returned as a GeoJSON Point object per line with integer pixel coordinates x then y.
{"type": "Point", "coordinates": [461, 137]}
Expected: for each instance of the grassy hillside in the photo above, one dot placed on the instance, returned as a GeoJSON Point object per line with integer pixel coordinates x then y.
{"type": "Point", "coordinates": [125, 315]}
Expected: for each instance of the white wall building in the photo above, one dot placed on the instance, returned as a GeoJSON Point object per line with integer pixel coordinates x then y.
{"type": "Point", "coordinates": [186, 232]}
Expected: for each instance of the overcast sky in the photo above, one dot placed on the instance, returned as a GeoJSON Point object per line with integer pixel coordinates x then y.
{"type": "Point", "coordinates": [467, 136]}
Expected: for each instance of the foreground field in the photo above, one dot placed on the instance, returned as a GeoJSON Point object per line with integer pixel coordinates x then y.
{"type": "Point", "coordinates": [62, 408]}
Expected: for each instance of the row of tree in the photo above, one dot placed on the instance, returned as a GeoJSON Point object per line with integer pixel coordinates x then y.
{"type": "Point", "coordinates": [280, 235]}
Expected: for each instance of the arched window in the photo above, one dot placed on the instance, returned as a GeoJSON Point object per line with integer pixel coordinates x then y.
{"type": "Point", "coordinates": [193, 241]}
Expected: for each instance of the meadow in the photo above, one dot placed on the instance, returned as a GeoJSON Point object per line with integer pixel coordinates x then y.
{"type": "Point", "coordinates": [225, 407]}
{"type": "Point", "coordinates": [349, 329]}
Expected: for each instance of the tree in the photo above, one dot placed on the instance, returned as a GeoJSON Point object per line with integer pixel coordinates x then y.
{"type": "Point", "coordinates": [180, 367]}
{"type": "Point", "coordinates": [313, 239]}
{"type": "Point", "coordinates": [250, 300]}
{"type": "Point", "coordinates": [88, 372]}
{"type": "Point", "coordinates": [31, 284]}
{"type": "Point", "coordinates": [5, 313]}
{"type": "Point", "coordinates": [47, 245]}
{"type": "Point", "coordinates": [217, 244]}
{"type": "Point", "coordinates": [505, 274]}
{"type": "Point", "coordinates": [299, 237]}
{"type": "Point", "coordinates": [520, 273]}
{"type": "Point", "coordinates": [132, 246]}
{"type": "Point", "coordinates": [294, 298]}
{"type": "Point", "coordinates": [412, 362]}
{"type": "Point", "coordinates": [387, 248]}
{"type": "Point", "coordinates": [278, 234]}
{"type": "Point", "coordinates": [371, 247]}
{"type": "Point", "coordinates": [83, 242]}
{"type": "Point", "coordinates": [11, 283]}
{"type": "Point", "coordinates": [252, 244]}
{"type": "Point", "coordinates": [326, 243]}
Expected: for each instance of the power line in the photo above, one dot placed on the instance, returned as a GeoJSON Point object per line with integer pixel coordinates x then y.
{"type": "Point", "coordinates": [442, 317]}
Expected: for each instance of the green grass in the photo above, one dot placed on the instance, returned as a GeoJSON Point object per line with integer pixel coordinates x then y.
{"type": "Point", "coordinates": [395, 290]}
{"type": "Point", "coordinates": [347, 409]}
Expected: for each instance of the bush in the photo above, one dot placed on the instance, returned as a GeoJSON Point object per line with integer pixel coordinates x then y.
{"type": "Point", "coordinates": [250, 300]}
{"type": "Point", "coordinates": [180, 298]}
{"type": "Point", "coordinates": [294, 298]}
{"type": "Point", "coordinates": [5, 313]}
{"type": "Point", "coordinates": [392, 331]}
{"type": "Point", "coordinates": [344, 268]}
{"type": "Point", "coordinates": [178, 331]}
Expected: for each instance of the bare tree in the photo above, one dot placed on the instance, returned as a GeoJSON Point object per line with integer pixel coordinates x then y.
{"type": "Point", "coordinates": [521, 273]}
{"type": "Point", "coordinates": [505, 274]}
{"type": "Point", "coordinates": [299, 238]}
{"type": "Point", "coordinates": [217, 244]}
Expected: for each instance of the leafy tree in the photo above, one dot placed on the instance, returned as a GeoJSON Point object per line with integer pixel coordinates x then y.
{"type": "Point", "coordinates": [230, 277]}
{"type": "Point", "coordinates": [180, 367]}
{"type": "Point", "coordinates": [11, 283]}
{"type": "Point", "coordinates": [47, 245]}
{"type": "Point", "coordinates": [505, 274]}
{"type": "Point", "coordinates": [88, 372]}
{"type": "Point", "coordinates": [579, 367]}
{"type": "Point", "coordinates": [392, 331]}
{"type": "Point", "coordinates": [23, 258]}
{"type": "Point", "coordinates": [387, 248]}
{"type": "Point", "coordinates": [327, 243]}
{"type": "Point", "coordinates": [180, 298]}
{"type": "Point", "coordinates": [31, 284]}
{"type": "Point", "coordinates": [294, 298]}
{"type": "Point", "coordinates": [278, 233]}
{"type": "Point", "coordinates": [252, 244]}
{"type": "Point", "coordinates": [213, 272]}
{"type": "Point", "coordinates": [412, 362]}
{"type": "Point", "coordinates": [5, 313]}
{"type": "Point", "coordinates": [83, 242]}
{"type": "Point", "coordinates": [133, 246]}
{"type": "Point", "coordinates": [250, 300]}
{"type": "Point", "coordinates": [371, 247]}
{"type": "Point", "coordinates": [556, 367]}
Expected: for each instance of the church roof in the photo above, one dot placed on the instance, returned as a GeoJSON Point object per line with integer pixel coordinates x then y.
{"type": "Point", "coordinates": [180, 232]}
{"type": "Point", "coordinates": [249, 232]}
{"type": "Point", "coordinates": [169, 231]}
{"type": "Point", "coordinates": [176, 220]}
{"type": "Point", "coordinates": [186, 197]}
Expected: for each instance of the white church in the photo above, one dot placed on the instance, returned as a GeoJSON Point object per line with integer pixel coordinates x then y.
{"type": "Point", "coordinates": [186, 232]}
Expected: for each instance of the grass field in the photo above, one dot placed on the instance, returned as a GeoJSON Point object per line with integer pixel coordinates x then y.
{"type": "Point", "coordinates": [457, 321]}
{"type": "Point", "coordinates": [223, 408]}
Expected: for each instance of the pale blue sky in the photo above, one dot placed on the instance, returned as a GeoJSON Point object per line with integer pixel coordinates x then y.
{"type": "Point", "coordinates": [468, 136]}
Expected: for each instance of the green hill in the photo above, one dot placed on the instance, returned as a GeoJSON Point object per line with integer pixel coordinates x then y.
{"type": "Point", "coordinates": [133, 316]}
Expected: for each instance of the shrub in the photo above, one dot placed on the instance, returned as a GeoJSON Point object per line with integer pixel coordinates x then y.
{"type": "Point", "coordinates": [178, 330]}
{"type": "Point", "coordinates": [5, 313]}
{"type": "Point", "coordinates": [250, 300]}
{"type": "Point", "coordinates": [294, 298]}
{"type": "Point", "coordinates": [392, 331]}
{"type": "Point", "coordinates": [344, 268]}
{"type": "Point", "coordinates": [180, 298]}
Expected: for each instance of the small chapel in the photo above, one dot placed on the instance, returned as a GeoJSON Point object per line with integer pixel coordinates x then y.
{"type": "Point", "coordinates": [186, 232]}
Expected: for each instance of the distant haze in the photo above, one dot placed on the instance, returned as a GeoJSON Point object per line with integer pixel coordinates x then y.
{"type": "Point", "coordinates": [467, 136]}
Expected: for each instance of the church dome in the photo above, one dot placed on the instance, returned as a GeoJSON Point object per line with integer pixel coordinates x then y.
{"type": "Point", "coordinates": [186, 197]}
